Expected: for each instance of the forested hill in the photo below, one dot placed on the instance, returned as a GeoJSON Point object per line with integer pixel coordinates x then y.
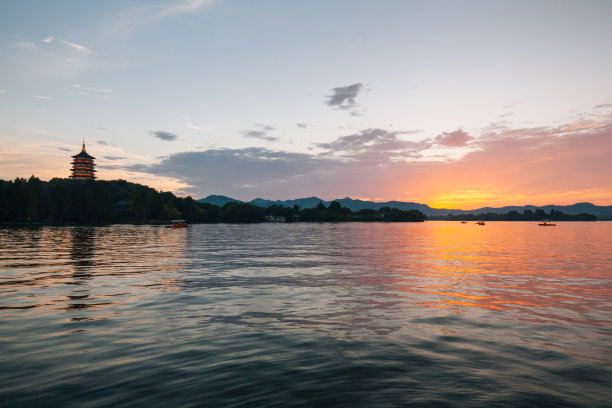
{"type": "Point", "coordinates": [62, 201]}
{"type": "Point", "coordinates": [90, 201]}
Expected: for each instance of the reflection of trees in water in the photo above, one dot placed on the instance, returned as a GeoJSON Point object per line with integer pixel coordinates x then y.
{"type": "Point", "coordinates": [82, 251]}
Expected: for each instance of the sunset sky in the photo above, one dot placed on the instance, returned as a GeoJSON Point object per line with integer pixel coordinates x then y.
{"type": "Point", "coordinates": [455, 104]}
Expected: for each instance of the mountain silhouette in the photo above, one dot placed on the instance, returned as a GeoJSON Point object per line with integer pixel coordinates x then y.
{"type": "Point", "coordinates": [601, 212]}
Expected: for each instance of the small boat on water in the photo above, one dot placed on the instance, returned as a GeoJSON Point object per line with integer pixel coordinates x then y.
{"type": "Point", "coordinates": [177, 224]}
{"type": "Point", "coordinates": [464, 222]}
{"type": "Point", "coordinates": [480, 222]}
{"type": "Point", "coordinates": [546, 223]}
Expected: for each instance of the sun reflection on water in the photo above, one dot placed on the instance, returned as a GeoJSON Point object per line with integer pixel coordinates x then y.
{"type": "Point", "coordinates": [150, 305]}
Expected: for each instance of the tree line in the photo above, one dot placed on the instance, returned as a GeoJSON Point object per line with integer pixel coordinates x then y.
{"type": "Point", "coordinates": [66, 201]}
{"type": "Point", "coordinates": [335, 212]}
{"type": "Point", "coordinates": [527, 215]}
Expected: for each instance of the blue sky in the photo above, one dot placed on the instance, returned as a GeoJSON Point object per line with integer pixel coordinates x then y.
{"type": "Point", "coordinates": [285, 99]}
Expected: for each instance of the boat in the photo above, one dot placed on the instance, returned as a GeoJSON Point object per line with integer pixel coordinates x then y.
{"type": "Point", "coordinates": [480, 222]}
{"type": "Point", "coordinates": [177, 224]}
{"type": "Point", "coordinates": [464, 222]}
{"type": "Point", "coordinates": [547, 223]}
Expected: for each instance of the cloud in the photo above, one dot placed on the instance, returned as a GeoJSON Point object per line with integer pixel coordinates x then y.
{"type": "Point", "coordinates": [114, 158]}
{"type": "Point", "coordinates": [77, 47]}
{"type": "Point", "coordinates": [262, 132]}
{"type": "Point", "coordinates": [581, 124]}
{"type": "Point", "coordinates": [46, 98]}
{"type": "Point", "coordinates": [48, 39]}
{"type": "Point", "coordinates": [64, 60]}
{"type": "Point", "coordinates": [102, 90]}
{"type": "Point", "coordinates": [301, 125]}
{"type": "Point", "coordinates": [228, 170]}
{"type": "Point", "coordinates": [65, 149]}
{"type": "Point", "coordinates": [540, 165]}
{"type": "Point", "coordinates": [350, 161]}
{"type": "Point", "coordinates": [90, 90]}
{"type": "Point", "coordinates": [453, 139]}
{"type": "Point", "coordinates": [143, 16]}
{"type": "Point", "coordinates": [102, 142]}
{"type": "Point", "coordinates": [198, 128]}
{"type": "Point", "coordinates": [36, 131]}
{"type": "Point", "coordinates": [2, 91]}
{"type": "Point", "coordinates": [604, 106]}
{"type": "Point", "coordinates": [376, 144]}
{"type": "Point", "coordinates": [181, 7]}
{"type": "Point", "coordinates": [23, 43]}
{"type": "Point", "coordinates": [163, 135]}
{"type": "Point", "coordinates": [344, 97]}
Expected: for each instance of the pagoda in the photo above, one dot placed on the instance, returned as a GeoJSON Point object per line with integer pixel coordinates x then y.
{"type": "Point", "coordinates": [83, 166]}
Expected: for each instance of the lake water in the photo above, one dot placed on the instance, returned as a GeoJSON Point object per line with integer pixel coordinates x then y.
{"type": "Point", "coordinates": [276, 315]}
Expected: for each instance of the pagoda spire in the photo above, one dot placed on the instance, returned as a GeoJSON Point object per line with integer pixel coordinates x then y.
{"type": "Point", "coordinates": [83, 144]}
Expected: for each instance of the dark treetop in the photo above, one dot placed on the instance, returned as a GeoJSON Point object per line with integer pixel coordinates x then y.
{"type": "Point", "coordinates": [63, 201]}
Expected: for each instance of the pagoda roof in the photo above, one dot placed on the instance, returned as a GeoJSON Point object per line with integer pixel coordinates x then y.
{"type": "Point", "coordinates": [83, 154]}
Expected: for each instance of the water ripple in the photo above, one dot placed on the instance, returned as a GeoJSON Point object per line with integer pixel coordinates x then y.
{"type": "Point", "coordinates": [351, 315]}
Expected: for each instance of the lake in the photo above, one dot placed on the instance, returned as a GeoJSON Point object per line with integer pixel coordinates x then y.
{"type": "Point", "coordinates": [276, 315]}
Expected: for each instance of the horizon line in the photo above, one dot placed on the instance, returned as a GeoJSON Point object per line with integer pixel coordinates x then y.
{"type": "Point", "coordinates": [415, 202]}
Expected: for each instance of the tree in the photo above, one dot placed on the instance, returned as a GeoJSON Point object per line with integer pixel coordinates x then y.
{"type": "Point", "coordinates": [35, 199]}
{"type": "Point", "coordinates": [101, 203]}
{"type": "Point", "coordinates": [59, 200]}
{"type": "Point", "coordinates": [242, 213]}
{"type": "Point", "coordinates": [137, 207]}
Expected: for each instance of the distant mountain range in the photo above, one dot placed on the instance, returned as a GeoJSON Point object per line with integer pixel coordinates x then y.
{"type": "Point", "coordinates": [601, 212]}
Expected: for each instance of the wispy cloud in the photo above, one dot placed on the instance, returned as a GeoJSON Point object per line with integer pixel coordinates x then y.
{"type": "Point", "coordinates": [56, 57]}
{"type": "Point", "coordinates": [581, 125]}
{"type": "Point", "coordinates": [139, 17]}
{"type": "Point", "coordinates": [603, 106]}
{"type": "Point", "coordinates": [102, 90]}
{"type": "Point", "coordinates": [198, 128]}
{"type": "Point", "coordinates": [46, 98]}
{"type": "Point", "coordinates": [36, 131]}
{"type": "Point", "coordinates": [88, 90]}
{"type": "Point", "coordinates": [301, 125]}
{"type": "Point", "coordinates": [181, 7]}
{"type": "Point", "coordinates": [23, 43]}
{"type": "Point", "coordinates": [2, 91]}
{"type": "Point", "coordinates": [261, 132]}
{"type": "Point", "coordinates": [163, 135]}
{"type": "Point", "coordinates": [78, 47]}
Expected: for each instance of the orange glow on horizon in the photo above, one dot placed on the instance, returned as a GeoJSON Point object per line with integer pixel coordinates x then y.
{"type": "Point", "coordinates": [473, 199]}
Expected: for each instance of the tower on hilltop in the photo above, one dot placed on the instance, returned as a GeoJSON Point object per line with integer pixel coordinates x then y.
{"type": "Point", "coordinates": [83, 166]}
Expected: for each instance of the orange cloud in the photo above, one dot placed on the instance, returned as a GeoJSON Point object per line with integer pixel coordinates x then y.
{"type": "Point", "coordinates": [525, 166]}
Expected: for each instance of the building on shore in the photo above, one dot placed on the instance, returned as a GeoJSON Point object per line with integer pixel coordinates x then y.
{"type": "Point", "coordinates": [83, 166]}
{"type": "Point", "coordinates": [275, 218]}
